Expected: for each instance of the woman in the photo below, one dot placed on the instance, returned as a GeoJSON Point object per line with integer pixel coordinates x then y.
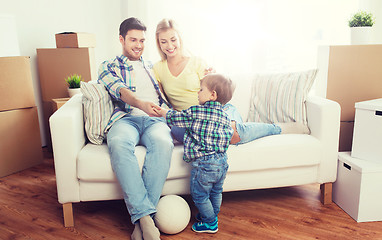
{"type": "Point", "coordinates": [179, 77]}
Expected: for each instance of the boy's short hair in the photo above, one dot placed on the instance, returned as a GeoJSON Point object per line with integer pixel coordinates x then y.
{"type": "Point", "coordinates": [129, 24]}
{"type": "Point", "coordinates": [222, 85]}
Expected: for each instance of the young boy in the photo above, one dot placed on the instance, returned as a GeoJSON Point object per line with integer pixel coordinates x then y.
{"type": "Point", "coordinates": [208, 134]}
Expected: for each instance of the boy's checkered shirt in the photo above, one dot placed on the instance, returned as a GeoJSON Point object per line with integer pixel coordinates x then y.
{"type": "Point", "coordinates": [208, 129]}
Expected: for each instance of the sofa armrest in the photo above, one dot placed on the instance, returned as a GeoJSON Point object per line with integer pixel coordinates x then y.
{"type": "Point", "coordinates": [324, 123]}
{"type": "Point", "coordinates": [68, 138]}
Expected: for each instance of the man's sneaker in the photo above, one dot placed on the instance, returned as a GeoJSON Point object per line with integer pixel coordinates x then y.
{"type": "Point", "coordinates": [202, 227]}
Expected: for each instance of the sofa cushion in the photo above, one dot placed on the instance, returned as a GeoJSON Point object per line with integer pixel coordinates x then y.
{"type": "Point", "coordinates": [94, 163]}
{"type": "Point", "coordinates": [273, 152]}
{"type": "Point", "coordinates": [98, 108]}
{"type": "Point", "coordinates": [280, 97]}
{"type": "Point", "coordinates": [265, 153]}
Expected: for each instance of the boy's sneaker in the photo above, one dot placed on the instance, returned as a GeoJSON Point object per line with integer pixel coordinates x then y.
{"type": "Point", "coordinates": [203, 227]}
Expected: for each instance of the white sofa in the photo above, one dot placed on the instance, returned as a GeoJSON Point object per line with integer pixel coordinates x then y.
{"type": "Point", "coordinates": [84, 173]}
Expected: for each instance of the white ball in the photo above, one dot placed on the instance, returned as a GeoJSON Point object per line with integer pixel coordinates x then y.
{"type": "Point", "coordinates": [173, 214]}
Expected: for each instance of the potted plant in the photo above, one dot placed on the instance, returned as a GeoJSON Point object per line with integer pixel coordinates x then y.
{"type": "Point", "coordinates": [74, 84]}
{"type": "Point", "coordinates": [360, 27]}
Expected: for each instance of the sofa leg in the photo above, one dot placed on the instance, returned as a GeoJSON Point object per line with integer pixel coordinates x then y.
{"type": "Point", "coordinates": [326, 193]}
{"type": "Point", "coordinates": [68, 214]}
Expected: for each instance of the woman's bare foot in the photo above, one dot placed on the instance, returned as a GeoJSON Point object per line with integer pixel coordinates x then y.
{"type": "Point", "coordinates": [235, 138]}
{"type": "Point", "coordinates": [293, 127]}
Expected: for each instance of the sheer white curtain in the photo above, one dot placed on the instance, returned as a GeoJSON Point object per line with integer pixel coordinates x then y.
{"type": "Point", "coordinates": [262, 36]}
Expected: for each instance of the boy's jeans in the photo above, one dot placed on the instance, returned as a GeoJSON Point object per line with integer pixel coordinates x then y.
{"type": "Point", "coordinates": [207, 178]}
{"type": "Point", "coordinates": [141, 192]}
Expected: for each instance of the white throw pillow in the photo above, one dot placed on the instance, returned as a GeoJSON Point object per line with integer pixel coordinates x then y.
{"type": "Point", "coordinates": [97, 107]}
{"type": "Point", "coordinates": [280, 97]}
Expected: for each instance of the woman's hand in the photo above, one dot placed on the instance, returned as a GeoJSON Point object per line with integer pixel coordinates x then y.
{"type": "Point", "coordinates": [209, 70]}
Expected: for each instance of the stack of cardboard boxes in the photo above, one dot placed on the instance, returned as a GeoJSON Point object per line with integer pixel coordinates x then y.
{"type": "Point", "coordinates": [354, 75]}
{"type": "Point", "coordinates": [20, 143]}
{"type": "Point", "coordinates": [354, 80]}
{"type": "Point", "coordinates": [74, 55]}
{"type": "Point", "coordinates": [358, 189]}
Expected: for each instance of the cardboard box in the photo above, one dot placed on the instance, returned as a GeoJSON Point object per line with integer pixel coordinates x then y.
{"type": "Point", "coordinates": [54, 65]}
{"type": "Point", "coordinates": [354, 75]}
{"type": "Point", "coordinates": [48, 109]}
{"type": "Point", "coordinates": [346, 136]}
{"type": "Point", "coordinates": [358, 188]}
{"type": "Point", "coordinates": [58, 102]}
{"type": "Point", "coordinates": [16, 86]}
{"type": "Point", "coordinates": [20, 144]}
{"type": "Point", "coordinates": [75, 40]}
{"type": "Point", "coordinates": [367, 137]}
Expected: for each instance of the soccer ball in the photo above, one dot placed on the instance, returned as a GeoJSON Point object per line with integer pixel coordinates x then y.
{"type": "Point", "coordinates": [173, 214]}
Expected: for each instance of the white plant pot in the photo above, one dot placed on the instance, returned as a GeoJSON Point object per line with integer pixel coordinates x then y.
{"type": "Point", "coordinates": [360, 35]}
{"type": "Point", "coordinates": [73, 91]}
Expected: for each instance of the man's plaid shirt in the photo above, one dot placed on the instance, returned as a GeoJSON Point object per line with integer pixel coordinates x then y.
{"type": "Point", "coordinates": [119, 73]}
{"type": "Point", "coordinates": [208, 129]}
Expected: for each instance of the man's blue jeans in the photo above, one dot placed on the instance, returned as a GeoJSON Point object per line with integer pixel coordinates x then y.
{"type": "Point", "coordinates": [206, 184]}
{"type": "Point", "coordinates": [141, 191]}
{"type": "Point", "coordinates": [248, 131]}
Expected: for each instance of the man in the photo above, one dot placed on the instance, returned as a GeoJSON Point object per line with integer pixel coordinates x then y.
{"type": "Point", "coordinates": [135, 94]}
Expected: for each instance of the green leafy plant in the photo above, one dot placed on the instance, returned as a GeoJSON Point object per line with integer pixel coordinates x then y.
{"type": "Point", "coordinates": [362, 19]}
{"type": "Point", "coordinates": [74, 81]}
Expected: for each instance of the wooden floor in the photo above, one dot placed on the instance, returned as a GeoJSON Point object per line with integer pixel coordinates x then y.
{"type": "Point", "coordinates": [29, 210]}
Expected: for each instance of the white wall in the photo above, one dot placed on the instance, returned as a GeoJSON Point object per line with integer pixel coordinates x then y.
{"type": "Point", "coordinates": [248, 36]}
{"type": "Point", "coordinates": [38, 21]}
{"type": "Point", "coordinates": [375, 7]}
{"type": "Point", "coordinates": [9, 43]}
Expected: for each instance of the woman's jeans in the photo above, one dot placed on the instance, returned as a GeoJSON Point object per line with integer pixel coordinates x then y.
{"type": "Point", "coordinates": [248, 131]}
{"type": "Point", "coordinates": [141, 192]}
{"type": "Point", "coordinates": [206, 184]}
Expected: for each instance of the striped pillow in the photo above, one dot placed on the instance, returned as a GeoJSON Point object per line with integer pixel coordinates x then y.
{"type": "Point", "coordinates": [98, 108]}
{"type": "Point", "coordinates": [280, 97]}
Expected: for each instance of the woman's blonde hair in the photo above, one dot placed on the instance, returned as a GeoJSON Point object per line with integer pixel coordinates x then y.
{"type": "Point", "coordinates": [164, 25]}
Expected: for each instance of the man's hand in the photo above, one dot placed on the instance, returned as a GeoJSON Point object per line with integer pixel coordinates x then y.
{"type": "Point", "coordinates": [150, 108]}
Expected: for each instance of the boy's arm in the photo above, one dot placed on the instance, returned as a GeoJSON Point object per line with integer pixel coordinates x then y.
{"type": "Point", "coordinates": [179, 119]}
{"type": "Point", "coordinates": [174, 118]}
